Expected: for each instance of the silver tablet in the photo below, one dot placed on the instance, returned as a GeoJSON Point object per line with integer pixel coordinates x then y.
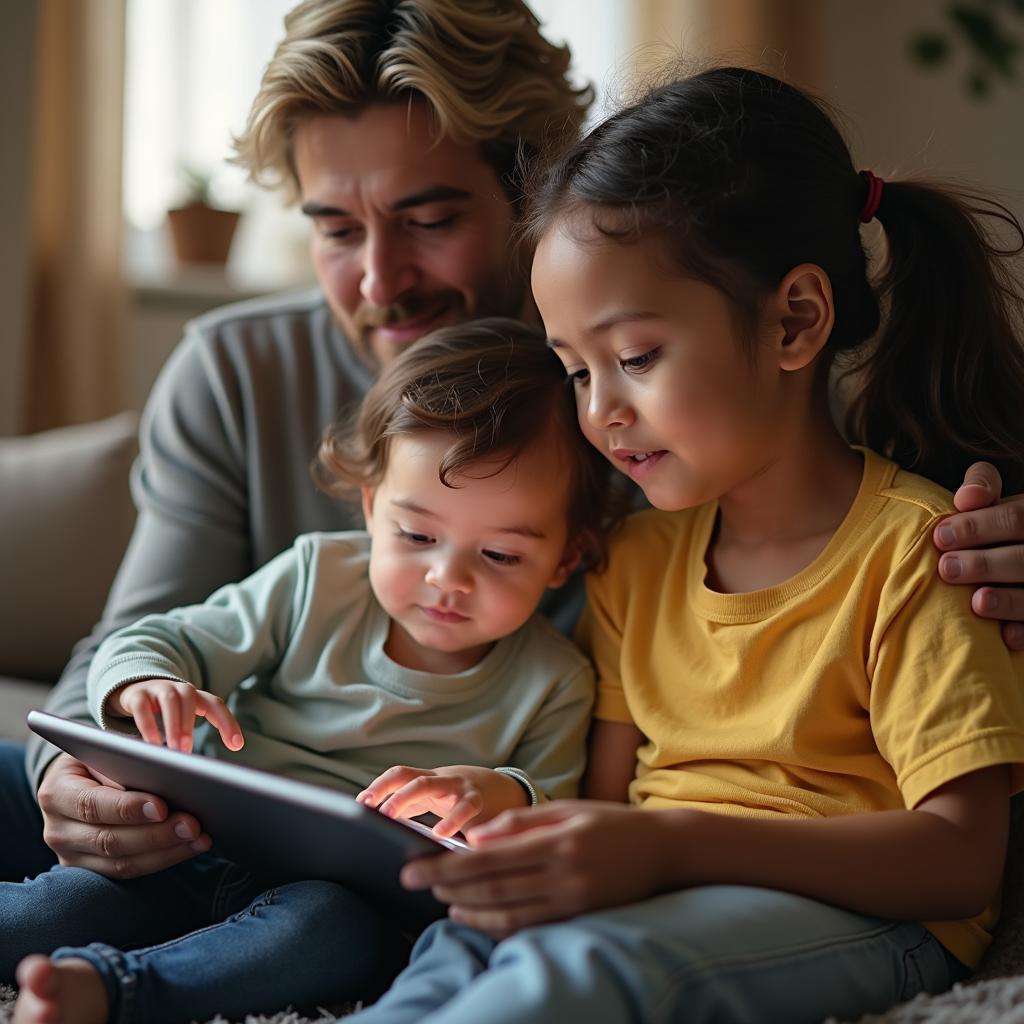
{"type": "Point", "coordinates": [292, 829]}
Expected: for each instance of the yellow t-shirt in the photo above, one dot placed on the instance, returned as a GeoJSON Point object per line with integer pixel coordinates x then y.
{"type": "Point", "coordinates": [861, 684]}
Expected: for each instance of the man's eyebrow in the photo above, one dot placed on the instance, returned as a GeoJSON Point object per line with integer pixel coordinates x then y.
{"type": "Point", "coordinates": [434, 194]}
{"type": "Point", "coordinates": [518, 531]}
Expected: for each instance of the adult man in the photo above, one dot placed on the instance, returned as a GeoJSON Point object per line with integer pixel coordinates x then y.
{"type": "Point", "coordinates": [396, 125]}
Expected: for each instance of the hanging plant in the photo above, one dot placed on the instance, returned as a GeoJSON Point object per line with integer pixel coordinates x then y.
{"type": "Point", "coordinates": [993, 46]}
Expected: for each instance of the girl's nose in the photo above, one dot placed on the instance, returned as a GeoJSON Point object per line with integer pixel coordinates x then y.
{"type": "Point", "coordinates": [607, 409]}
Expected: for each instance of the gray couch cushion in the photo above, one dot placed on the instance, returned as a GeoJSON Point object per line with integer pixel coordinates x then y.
{"type": "Point", "coordinates": [17, 698]}
{"type": "Point", "coordinates": [65, 517]}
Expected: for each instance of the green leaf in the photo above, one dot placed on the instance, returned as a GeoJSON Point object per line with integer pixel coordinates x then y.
{"type": "Point", "coordinates": [978, 85]}
{"type": "Point", "coordinates": [986, 37]}
{"type": "Point", "coordinates": [931, 48]}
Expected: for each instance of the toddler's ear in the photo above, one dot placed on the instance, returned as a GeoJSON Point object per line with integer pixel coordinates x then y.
{"type": "Point", "coordinates": [570, 559]}
{"type": "Point", "coordinates": [367, 496]}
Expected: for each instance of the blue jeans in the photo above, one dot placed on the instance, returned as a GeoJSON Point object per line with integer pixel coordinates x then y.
{"type": "Point", "coordinates": [719, 953]}
{"type": "Point", "coordinates": [23, 854]}
{"type": "Point", "coordinates": [202, 937]}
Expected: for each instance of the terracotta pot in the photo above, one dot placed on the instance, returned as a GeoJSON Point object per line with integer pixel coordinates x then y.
{"type": "Point", "coordinates": [202, 234]}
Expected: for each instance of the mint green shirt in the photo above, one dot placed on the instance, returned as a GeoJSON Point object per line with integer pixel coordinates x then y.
{"type": "Point", "coordinates": [298, 650]}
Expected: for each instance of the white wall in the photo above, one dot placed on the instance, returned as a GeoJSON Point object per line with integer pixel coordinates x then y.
{"type": "Point", "coordinates": [910, 121]}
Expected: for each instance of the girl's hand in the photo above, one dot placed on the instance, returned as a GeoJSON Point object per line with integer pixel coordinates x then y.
{"type": "Point", "coordinates": [984, 544]}
{"type": "Point", "coordinates": [462, 795]}
{"type": "Point", "coordinates": [178, 705]}
{"type": "Point", "coordinates": [547, 863]}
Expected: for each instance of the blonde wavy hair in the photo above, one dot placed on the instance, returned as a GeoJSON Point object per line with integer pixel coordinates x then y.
{"type": "Point", "coordinates": [483, 67]}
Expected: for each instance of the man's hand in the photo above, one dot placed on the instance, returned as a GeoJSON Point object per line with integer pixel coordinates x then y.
{"type": "Point", "coordinates": [984, 543]}
{"type": "Point", "coordinates": [91, 822]}
{"type": "Point", "coordinates": [178, 704]}
{"type": "Point", "coordinates": [463, 795]}
{"type": "Point", "coordinates": [545, 864]}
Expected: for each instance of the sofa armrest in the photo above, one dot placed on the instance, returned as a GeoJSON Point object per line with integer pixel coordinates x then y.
{"type": "Point", "coordinates": [65, 518]}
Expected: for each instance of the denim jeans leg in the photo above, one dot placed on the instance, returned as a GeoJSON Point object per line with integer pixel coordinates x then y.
{"type": "Point", "coordinates": [714, 954]}
{"type": "Point", "coordinates": [23, 854]}
{"type": "Point", "coordinates": [74, 906]}
{"type": "Point", "coordinates": [446, 960]}
{"type": "Point", "coordinates": [304, 944]}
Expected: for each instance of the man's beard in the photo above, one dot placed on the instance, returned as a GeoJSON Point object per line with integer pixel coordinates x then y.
{"type": "Point", "coordinates": [450, 306]}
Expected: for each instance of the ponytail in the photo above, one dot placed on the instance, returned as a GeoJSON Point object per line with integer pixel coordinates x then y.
{"type": "Point", "coordinates": [942, 384]}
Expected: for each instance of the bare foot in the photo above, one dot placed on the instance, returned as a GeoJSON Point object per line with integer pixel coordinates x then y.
{"type": "Point", "coordinates": [59, 992]}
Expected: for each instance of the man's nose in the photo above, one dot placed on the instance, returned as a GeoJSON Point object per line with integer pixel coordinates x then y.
{"type": "Point", "coordinates": [388, 269]}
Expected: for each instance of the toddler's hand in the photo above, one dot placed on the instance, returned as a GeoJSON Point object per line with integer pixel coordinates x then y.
{"type": "Point", "coordinates": [178, 705]}
{"type": "Point", "coordinates": [461, 794]}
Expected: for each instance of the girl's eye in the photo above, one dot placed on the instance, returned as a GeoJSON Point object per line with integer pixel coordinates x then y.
{"type": "Point", "coordinates": [413, 538]}
{"type": "Point", "coordinates": [640, 362]}
{"type": "Point", "coordinates": [579, 376]}
{"type": "Point", "coordinates": [499, 558]}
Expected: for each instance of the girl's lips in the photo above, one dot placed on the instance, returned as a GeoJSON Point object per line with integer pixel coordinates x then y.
{"type": "Point", "coordinates": [638, 468]}
{"type": "Point", "coordinates": [441, 615]}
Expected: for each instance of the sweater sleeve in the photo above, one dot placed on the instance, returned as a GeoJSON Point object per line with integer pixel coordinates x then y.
{"type": "Point", "coordinates": [242, 630]}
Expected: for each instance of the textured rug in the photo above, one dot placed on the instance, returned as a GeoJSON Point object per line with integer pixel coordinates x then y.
{"type": "Point", "coordinates": [992, 1001]}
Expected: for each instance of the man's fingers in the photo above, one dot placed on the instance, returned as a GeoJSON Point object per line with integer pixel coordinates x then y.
{"type": "Point", "coordinates": [985, 565]}
{"type": "Point", "coordinates": [1013, 635]}
{"type": "Point", "coordinates": [982, 487]}
{"type": "Point", "coordinates": [142, 863]}
{"type": "Point", "coordinates": [74, 793]}
{"type": "Point", "coordinates": [1000, 524]}
{"type": "Point", "coordinates": [126, 841]}
{"type": "Point", "coordinates": [999, 603]}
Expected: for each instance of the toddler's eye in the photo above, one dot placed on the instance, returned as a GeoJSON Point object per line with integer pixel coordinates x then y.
{"type": "Point", "coordinates": [579, 376]}
{"type": "Point", "coordinates": [413, 538]}
{"type": "Point", "coordinates": [500, 558]}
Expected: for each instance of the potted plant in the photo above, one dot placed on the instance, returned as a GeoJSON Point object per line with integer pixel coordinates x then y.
{"type": "Point", "coordinates": [200, 232]}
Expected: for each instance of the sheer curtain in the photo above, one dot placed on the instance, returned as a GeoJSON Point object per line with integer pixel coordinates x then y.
{"type": "Point", "coordinates": [74, 349]}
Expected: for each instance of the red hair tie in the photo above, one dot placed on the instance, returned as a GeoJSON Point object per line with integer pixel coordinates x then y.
{"type": "Point", "coordinates": [873, 198]}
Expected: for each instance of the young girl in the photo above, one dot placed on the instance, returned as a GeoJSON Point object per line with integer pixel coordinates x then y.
{"type": "Point", "coordinates": [403, 659]}
{"type": "Point", "coordinates": [818, 738]}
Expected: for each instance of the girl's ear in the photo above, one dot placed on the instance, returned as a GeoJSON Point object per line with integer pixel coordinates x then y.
{"type": "Point", "coordinates": [806, 314]}
{"type": "Point", "coordinates": [570, 559]}
{"type": "Point", "coordinates": [367, 495]}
